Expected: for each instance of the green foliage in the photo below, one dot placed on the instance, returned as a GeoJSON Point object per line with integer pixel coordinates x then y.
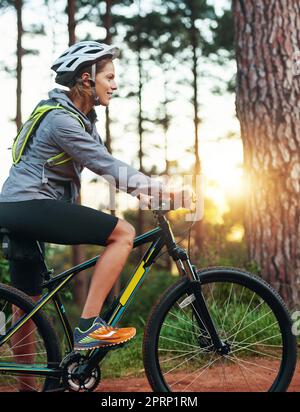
{"type": "Point", "coordinates": [125, 361]}
{"type": "Point", "coordinates": [4, 271]}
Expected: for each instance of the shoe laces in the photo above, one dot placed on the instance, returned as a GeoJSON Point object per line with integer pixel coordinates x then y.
{"type": "Point", "coordinates": [105, 325]}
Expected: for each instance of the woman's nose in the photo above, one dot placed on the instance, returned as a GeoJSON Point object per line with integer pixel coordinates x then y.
{"type": "Point", "coordinates": [114, 85]}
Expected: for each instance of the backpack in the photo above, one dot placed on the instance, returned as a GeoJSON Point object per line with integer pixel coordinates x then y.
{"type": "Point", "coordinates": [30, 126]}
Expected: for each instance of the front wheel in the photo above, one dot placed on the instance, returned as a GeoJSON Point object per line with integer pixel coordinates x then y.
{"type": "Point", "coordinates": [251, 320]}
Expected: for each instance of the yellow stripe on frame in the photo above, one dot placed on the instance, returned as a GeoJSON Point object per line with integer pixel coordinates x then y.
{"type": "Point", "coordinates": [133, 283]}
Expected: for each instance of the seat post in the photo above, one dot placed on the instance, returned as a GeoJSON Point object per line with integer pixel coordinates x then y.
{"type": "Point", "coordinates": [47, 272]}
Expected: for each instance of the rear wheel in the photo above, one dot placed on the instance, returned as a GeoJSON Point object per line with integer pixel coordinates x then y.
{"type": "Point", "coordinates": [26, 354]}
{"type": "Point", "coordinates": [251, 320]}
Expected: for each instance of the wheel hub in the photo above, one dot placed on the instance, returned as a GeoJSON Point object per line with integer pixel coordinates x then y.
{"type": "Point", "coordinates": [225, 349]}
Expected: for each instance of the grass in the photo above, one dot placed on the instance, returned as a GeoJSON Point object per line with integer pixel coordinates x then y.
{"type": "Point", "coordinates": [126, 361]}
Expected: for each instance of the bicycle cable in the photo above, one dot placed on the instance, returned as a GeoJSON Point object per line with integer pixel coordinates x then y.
{"type": "Point", "coordinates": [189, 230]}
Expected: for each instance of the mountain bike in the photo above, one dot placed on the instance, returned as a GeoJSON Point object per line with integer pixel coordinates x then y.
{"type": "Point", "coordinates": [214, 329]}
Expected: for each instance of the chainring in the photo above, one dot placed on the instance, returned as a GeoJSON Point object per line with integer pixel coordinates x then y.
{"type": "Point", "coordinates": [72, 381]}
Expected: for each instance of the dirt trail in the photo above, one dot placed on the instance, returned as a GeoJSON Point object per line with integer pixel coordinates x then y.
{"type": "Point", "coordinates": [132, 384]}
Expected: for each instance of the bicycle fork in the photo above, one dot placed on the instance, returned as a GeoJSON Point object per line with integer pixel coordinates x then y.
{"type": "Point", "coordinates": [200, 309]}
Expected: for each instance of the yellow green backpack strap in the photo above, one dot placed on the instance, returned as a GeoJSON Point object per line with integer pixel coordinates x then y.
{"type": "Point", "coordinates": [29, 127]}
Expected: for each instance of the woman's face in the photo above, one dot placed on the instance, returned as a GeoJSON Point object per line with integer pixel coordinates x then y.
{"type": "Point", "coordinates": [105, 83]}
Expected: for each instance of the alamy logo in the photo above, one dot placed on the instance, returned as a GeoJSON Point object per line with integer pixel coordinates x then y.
{"type": "Point", "coordinates": [161, 186]}
{"type": "Point", "coordinates": [296, 323]}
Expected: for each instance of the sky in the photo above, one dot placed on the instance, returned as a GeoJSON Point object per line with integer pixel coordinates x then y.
{"type": "Point", "coordinates": [221, 158]}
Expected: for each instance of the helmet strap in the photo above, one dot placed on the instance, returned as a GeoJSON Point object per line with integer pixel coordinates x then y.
{"type": "Point", "coordinates": [93, 82]}
{"type": "Point", "coordinates": [94, 72]}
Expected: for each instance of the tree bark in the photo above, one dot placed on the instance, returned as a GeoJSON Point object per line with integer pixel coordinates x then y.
{"type": "Point", "coordinates": [80, 288]}
{"type": "Point", "coordinates": [20, 53]}
{"type": "Point", "coordinates": [198, 227]}
{"type": "Point", "coordinates": [71, 21]}
{"type": "Point", "coordinates": [140, 224]}
{"type": "Point", "coordinates": [267, 103]}
{"type": "Point", "coordinates": [108, 140]}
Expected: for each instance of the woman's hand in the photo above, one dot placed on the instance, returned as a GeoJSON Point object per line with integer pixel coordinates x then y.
{"type": "Point", "coordinates": [170, 200]}
{"type": "Point", "coordinates": [145, 201]}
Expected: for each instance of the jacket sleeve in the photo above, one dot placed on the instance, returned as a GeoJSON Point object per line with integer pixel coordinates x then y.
{"type": "Point", "coordinates": [70, 137]}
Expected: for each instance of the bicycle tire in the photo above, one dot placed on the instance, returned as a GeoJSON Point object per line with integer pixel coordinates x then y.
{"type": "Point", "coordinates": [152, 365]}
{"type": "Point", "coordinates": [43, 330]}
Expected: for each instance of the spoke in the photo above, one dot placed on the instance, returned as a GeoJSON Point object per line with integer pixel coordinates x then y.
{"type": "Point", "coordinates": [180, 343]}
{"type": "Point", "coordinates": [173, 350]}
{"type": "Point", "coordinates": [184, 330]}
{"type": "Point", "coordinates": [239, 324]}
{"type": "Point", "coordinates": [218, 315]}
{"type": "Point", "coordinates": [20, 346]}
{"type": "Point", "coordinates": [241, 370]}
{"type": "Point", "coordinates": [176, 357]}
{"type": "Point", "coordinates": [24, 337]}
{"type": "Point", "coordinates": [184, 320]}
{"type": "Point", "coordinates": [257, 333]}
{"type": "Point", "coordinates": [254, 343]}
{"type": "Point", "coordinates": [240, 330]}
{"type": "Point", "coordinates": [10, 384]}
{"type": "Point", "coordinates": [208, 366]}
{"type": "Point", "coordinates": [180, 364]}
{"type": "Point", "coordinates": [226, 310]}
{"type": "Point", "coordinates": [256, 351]}
{"type": "Point", "coordinates": [25, 383]}
{"type": "Point", "coordinates": [192, 373]}
{"type": "Point", "coordinates": [235, 359]}
{"type": "Point", "coordinates": [260, 344]}
{"type": "Point", "coordinates": [224, 374]}
{"type": "Point", "coordinates": [254, 364]}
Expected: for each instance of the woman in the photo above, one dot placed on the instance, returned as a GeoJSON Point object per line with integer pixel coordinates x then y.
{"type": "Point", "coordinates": [38, 199]}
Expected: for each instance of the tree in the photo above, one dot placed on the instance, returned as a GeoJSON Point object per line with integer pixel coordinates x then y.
{"type": "Point", "coordinates": [80, 286]}
{"type": "Point", "coordinates": [267, 104]}
{"type": "Point", "coordinates": [18, 5]}
{"type": "Point", "coordinates": [192, 43]}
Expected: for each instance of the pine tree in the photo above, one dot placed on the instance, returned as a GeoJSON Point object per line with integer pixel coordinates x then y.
{"type": "Point", "coordinates": [267, 103]}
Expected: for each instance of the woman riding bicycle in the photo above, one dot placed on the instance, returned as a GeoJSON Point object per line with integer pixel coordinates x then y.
{"type": "Point", "coordinates": [38, 198]}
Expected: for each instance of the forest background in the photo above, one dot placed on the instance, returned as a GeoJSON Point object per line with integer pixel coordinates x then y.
{"type": "Point", "coordinates": [205, 87]}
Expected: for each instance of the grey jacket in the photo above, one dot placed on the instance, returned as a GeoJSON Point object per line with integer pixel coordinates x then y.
{"type": "Point", "coordinates": [59, 131]}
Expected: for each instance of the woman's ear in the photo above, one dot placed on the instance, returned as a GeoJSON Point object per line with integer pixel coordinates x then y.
{"type": "Point", "coordinates": [86, 77]}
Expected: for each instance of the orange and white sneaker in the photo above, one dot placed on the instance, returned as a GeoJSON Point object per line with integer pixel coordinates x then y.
{"type": "Point", "coordinates": [100, 334]}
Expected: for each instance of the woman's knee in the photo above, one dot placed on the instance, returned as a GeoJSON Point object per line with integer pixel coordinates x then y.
{"type": "Point", "coordinates": [123, 232]}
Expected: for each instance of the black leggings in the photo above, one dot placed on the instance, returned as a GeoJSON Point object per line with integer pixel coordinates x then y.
{"type": "Point", "coordinates": [52, 221]}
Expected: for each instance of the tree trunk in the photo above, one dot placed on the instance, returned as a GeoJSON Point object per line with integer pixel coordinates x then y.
{"type": "Point", "coordinates": [140, 224]}
{"type": "Point", "coordinates": [108, 141]}
{"type": "Point", "coordinates": [165, 124]}
{"type": "Point", "coordinates": [71, 21]}
{"type": "Point", "coordinates": [20, 52]}
{"type": "Point", "coordinates": [80, 288]}
{"type": "Point", "coordinates": [198, 227]}
{"type": "Point", "coordinates": [268, 102]}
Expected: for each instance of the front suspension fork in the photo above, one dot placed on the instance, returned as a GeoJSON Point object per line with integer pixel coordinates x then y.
{"type": "Point", "coordinates": [200, 310]}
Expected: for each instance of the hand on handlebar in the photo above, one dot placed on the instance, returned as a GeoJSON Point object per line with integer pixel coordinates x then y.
{"type": "Point", "coordinates": [145, 201]}
{"type": "Point", "coordinates": [169, 200]}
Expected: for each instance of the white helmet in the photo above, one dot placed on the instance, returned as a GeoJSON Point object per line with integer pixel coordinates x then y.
{"type": "Point", "coordinates": [79, 55]}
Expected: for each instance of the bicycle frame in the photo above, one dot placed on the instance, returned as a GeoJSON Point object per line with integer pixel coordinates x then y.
{"type": "Point", "coordinates": [159, 237]}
